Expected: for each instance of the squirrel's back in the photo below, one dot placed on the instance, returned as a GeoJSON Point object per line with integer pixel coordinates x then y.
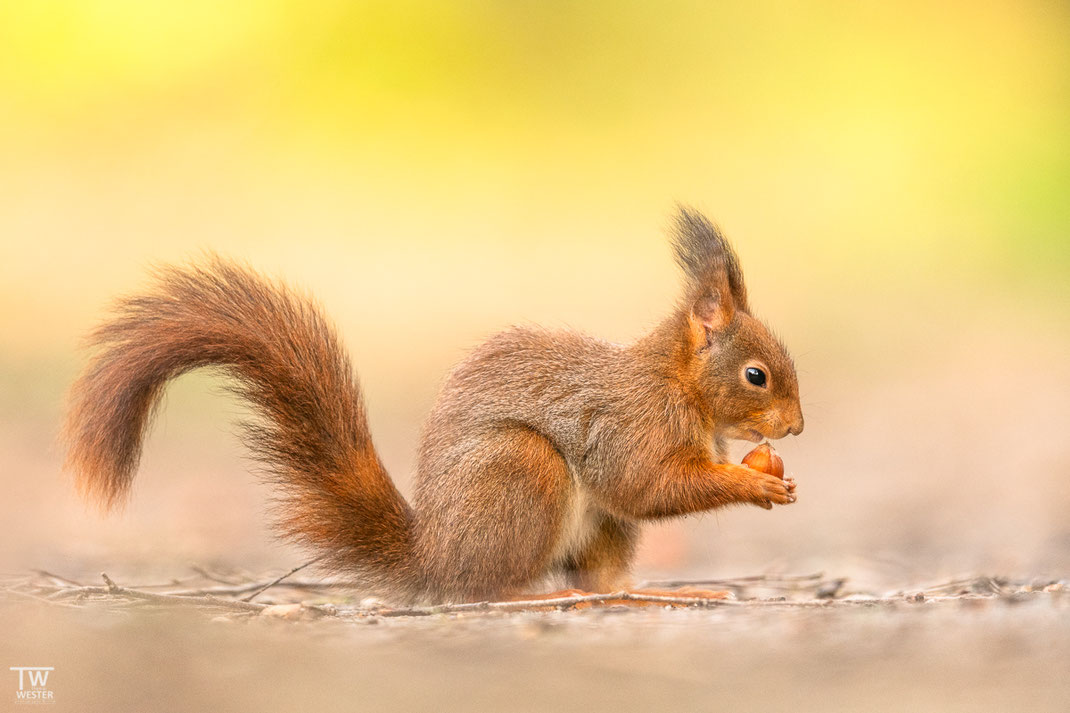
{"type": "Point", "coordinates": [537, 376]}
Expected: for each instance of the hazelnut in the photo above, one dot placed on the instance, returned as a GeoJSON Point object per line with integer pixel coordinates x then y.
{"type": "Point", "coordinates": [765, 459]}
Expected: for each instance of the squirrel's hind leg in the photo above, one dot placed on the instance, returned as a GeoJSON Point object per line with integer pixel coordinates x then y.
{"type": "Point", "coordinates": [515, 486]}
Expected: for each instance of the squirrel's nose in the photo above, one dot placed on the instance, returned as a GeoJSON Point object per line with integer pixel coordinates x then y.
{"type": "Point", "coordinates": [796, 427]}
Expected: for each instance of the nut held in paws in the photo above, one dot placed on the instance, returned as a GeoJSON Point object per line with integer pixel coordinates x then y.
{"type": "Point", "coordinates": [765, 459]}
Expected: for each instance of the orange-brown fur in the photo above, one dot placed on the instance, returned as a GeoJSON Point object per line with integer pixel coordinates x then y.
{"type": "Point", "coordinates": [543, 453]}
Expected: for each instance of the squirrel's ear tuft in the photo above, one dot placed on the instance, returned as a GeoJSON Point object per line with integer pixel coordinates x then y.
{"type": "Point", "coordinates": [707, 258]}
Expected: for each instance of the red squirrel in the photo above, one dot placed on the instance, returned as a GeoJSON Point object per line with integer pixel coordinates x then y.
{"type": "Point", "coordinates": [544, 451]}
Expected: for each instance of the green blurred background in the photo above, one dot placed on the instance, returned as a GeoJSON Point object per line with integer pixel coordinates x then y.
{"type": "Point", "coordinates": [895, 176]}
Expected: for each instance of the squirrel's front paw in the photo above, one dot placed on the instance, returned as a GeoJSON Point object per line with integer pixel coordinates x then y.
{"type": "Point", "coordinates": [769, 489]}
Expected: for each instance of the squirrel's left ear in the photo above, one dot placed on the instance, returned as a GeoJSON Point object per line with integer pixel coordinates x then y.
{"type": "Point", "coordinates": [710, 263]}
{"type": "Point", "coordinates": [710, 311]}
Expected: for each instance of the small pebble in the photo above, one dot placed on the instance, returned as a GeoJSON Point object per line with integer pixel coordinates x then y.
{"type": "Point", "coordinates": [282, 611]}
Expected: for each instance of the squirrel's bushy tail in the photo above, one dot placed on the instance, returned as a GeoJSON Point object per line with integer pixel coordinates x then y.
{"type": "Point", "coordinates": [312, 432]}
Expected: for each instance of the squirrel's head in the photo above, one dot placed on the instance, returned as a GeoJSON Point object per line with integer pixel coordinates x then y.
{"type": "Point", "coordinates": [741, 368]}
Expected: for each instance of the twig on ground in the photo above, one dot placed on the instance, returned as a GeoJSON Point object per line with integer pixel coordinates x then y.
{"type": "Point", "coordinates": [971, 585]}
{"type": "Point", "coordinates": [236, 589]}
{"type": "Point", "coordinates": [769, 581]}
{"type": "Point", "coordinates": [56, 577]}
{"type": "Point", "coordinates": [272, 583]}
{"type": "Point", "coordinates": [556, 603]}
{"type": "Point", "coordinates": [212, 576]}
{"type": "Point", "coordinates": [112, 586]}
{"type": "Point", "coordinates": [176, 582]}
{"type": "Point", "coordinates": [27, 595]}
{"type": "Point", "coordinates": [114, 589]}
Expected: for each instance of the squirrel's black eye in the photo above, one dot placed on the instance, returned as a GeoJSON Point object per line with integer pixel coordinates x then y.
{"type": "Point", "coordinates": [755, 376]}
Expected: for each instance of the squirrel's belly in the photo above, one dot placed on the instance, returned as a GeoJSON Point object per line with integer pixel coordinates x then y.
{"type": "Point", "coordinates": [579, 522]}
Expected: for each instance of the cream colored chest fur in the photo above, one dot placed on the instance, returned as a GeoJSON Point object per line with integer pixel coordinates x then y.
{"type": "Point", "coordinates": [578, 524]}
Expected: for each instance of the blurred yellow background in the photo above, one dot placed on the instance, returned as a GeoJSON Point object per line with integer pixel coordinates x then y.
{"type": "Point", "coordinates": [894, 175]}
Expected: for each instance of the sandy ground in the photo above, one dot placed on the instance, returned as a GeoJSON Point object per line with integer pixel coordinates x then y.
{"type": "Point", "coordinates": [994, 654]}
